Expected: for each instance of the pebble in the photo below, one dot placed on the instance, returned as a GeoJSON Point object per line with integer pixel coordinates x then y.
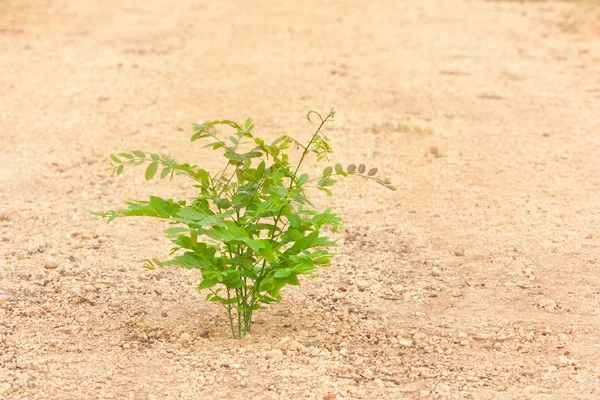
{"type": "Point", "coordinates": [274, 354]}
{"type": "Point", "coordinates": [339, 295]}
{"type": "Point", "coordinates": [463, 335]}
{"type": "Point", "coordinates": [362, 285]}
{"type": "Point", "coordinates": [563, 360]}
{"type": "Point", "coordinates": [435, 271]}
{"type": "Point", "coordinates": [69, 330]}
{"type": "Point", "coordinates": [405, 342]}
{"type": "Point", "coordinates": [164, 152]}
{"type": "Point", "coordinates": [459, 252]}
{"type": "Point", "coordinates": [185, 337]}
{"type": "Point", "coordinates": [398, 289]}
{"type": "Point", "coordinates": [50, 264]}
{"type": "Point", "coordinates": [464, 342]}
{"type": "Point", "coordinates": [293, 346]}
{"type": "Point", "coordinates": [311, 343]}
{"type": "Point", "coordinates": [484, 336]}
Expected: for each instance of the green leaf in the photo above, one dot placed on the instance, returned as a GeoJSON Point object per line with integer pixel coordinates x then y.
{"type": "Point", "coordinates": [151, 170]}
{"type": "Point", "coordinates": [326, 181]}
{"type": "Point", "coordinates": [352, 168]}
{"type": "Point", "coordinates": [207, 283]}
{"type": "Point", "coordinates": [160, 205]}
{"type": "Point", "coordinates": [361, 168]}
{"type": "Point", "coordinates": [115, 159]}
{"type": "Point", "coordinates": [338, 169]}
{"type": "Point", "coordinates": [139, 153]}
{"type": "Point", "coordinates": [155, 157]}
{"type": "Point", "coordinates": [372, 172]}
{"type": "Point", "coordinates": [303, 179]}
{"type": "Point", "coordinates": [120, 169]}
{"type": "Point", "coordinates": [253, 154]}
{"type": "Point", "coordinates": [327, 171]}
{"type": "Point", "coordinates": [126, 155]}
{"type": "Point", "coordinates": [282, 273]}
{"type": "Point", "coordinates": [165, 172]}
{"type": "Point", "coordinates": [260, 170]}
{"type": "Point", "coordinates": [176, 230]}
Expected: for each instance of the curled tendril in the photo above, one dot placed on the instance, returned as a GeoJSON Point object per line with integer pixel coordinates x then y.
{"type": "Point", "coordinates": [323, 120]}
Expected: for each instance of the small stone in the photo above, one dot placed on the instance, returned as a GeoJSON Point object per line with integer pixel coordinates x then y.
{"type": "Point", "coordinates": [434, 150]}
{"type": "Point", "coordinates": [501, 280]}
{"type": "Point", "coordinates": [164, 314]}
{"type": "Point", "coordinates": [126, 345]}
{"type": "Point", "coordinates": [463, 335]}
{"type": "Point", "coordinates": [548, 304]}
{"type": "Point", "coordinates": [164, 152]}
{"type": "Point", "coordinates": [69, 330]}
{"type": "Point", "coordinates": [464, 342]}
{"type": "Point", "coordinates": [497, 345]}
{"type": "Point", "coordinates": [398, 289]}
{"type": "Point", "coordinates": [293, 346]}
{"type": "Point", "coordinates": [552, 368]}
{"type": "Point", "coordinates": [359, 361]}
{"type": "Point", "coordinates": [185, 337]}
{"type": "Point", "coordinates": [403, 333]}
{"type": "Point", "coordinates": [91, 160]}
{"type": "Point", "coordinates": [435, 271]}
{"type": "Point", "coordinates": [3, 215]}
{"type": "Point", "coordinates": [484, 336]}
{"type": "Point", "coordinates": [459, 252]}
{"type": "Point", "coordinates": [207, 333]}
{"type": "Point", "coordinates": [330, 396]}
{"type": "Point", "coordinates": [274, 354]}
{"type": "Point", "coordinates": [362, 285]}
{"type": "Point", "coordinates": [566, 361]}
{"type": "Point", "coordinates": [339, 296]}
{"type": "Point", "coordinates": [528, 272]}
{"type": "Point", "coordinates": [311, 343]}
{"type": "Point", "coordinates": [405, 342]}
{"type": "Point", "coordinates": [51, 264]}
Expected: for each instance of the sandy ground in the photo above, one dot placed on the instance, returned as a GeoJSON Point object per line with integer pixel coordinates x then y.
{"type": "Point", "coordinates": [477, 279]}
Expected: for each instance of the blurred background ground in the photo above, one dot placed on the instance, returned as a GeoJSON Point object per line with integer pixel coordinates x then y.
{"type": "Point", "coordinates": [476, 279]}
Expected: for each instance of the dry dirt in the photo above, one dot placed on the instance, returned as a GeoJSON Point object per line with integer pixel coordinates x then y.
{"type": "Point", "coordinates": [477, 279]}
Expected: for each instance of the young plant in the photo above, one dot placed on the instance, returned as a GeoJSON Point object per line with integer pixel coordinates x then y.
{"type": "Point", "coordinates": [250, 229]}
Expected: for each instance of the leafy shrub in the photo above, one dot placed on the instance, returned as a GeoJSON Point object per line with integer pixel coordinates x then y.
{"type": "Point", "coordinates": [250, 230]}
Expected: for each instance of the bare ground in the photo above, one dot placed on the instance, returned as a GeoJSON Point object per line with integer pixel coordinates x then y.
{"type": "Point", "coordinates": [477, 279]}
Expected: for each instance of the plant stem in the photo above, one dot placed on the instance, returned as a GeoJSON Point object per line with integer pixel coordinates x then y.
{"type": "Point", "coordinates": [229, 314]}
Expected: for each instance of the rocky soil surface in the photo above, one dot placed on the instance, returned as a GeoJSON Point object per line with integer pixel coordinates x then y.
{"type": "Point", "coordinates": [477, 279]}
